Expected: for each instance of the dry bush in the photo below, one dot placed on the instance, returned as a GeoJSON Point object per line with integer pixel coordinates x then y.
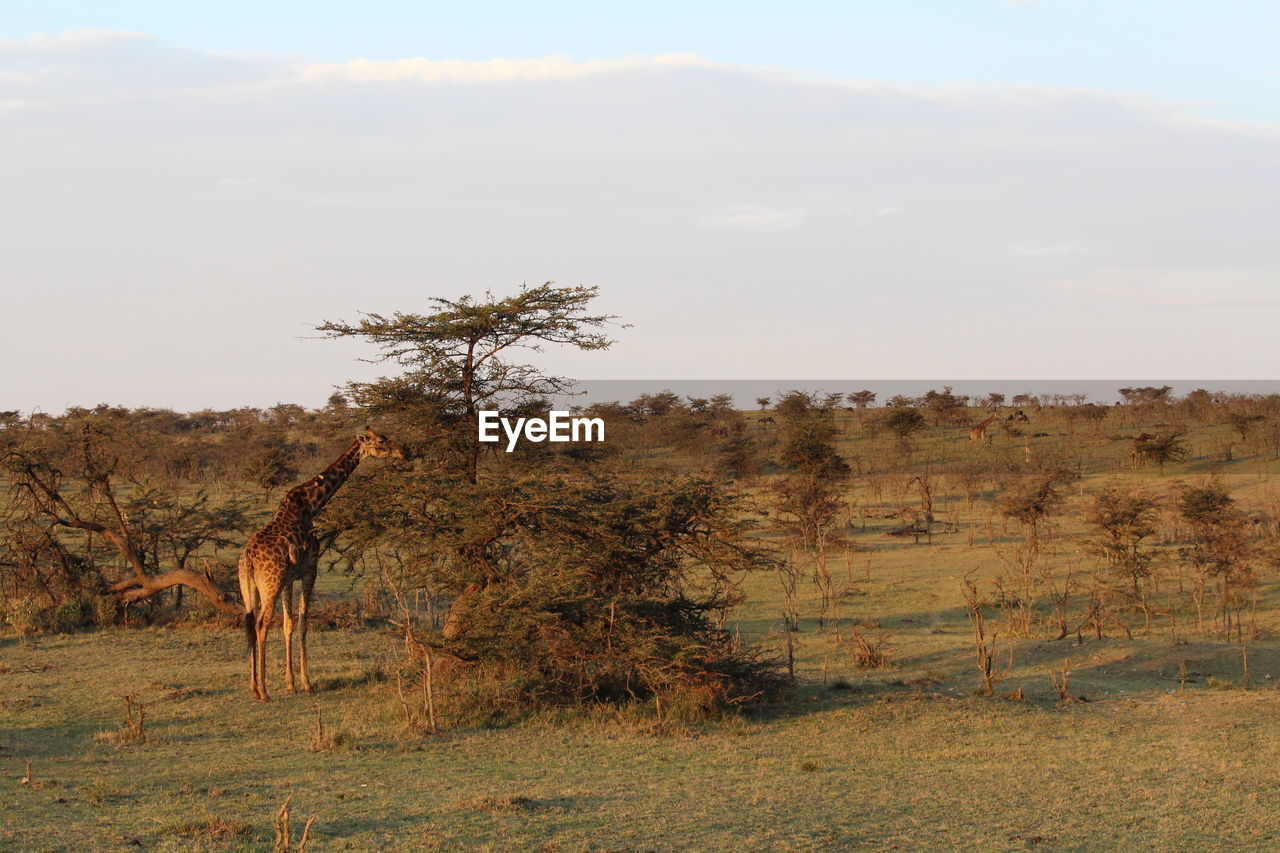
{"type": "Point", "coordinates": [284, 837]}
{"type": "Point", "coordinates": [24, 615]}
{"type": "Point", "coordinates": [1059, 679]}
{"type": "Point", "coordinates": [580, 590]}
{"type": "Point", "coordinates": [984, 643]}
{"type": "Point", "coordinates": [325, 738]}
{"type": "Point", "coordinates": [869, 650]}
{"type": "Point", "coordinates": [340, 614]}
{"type": "Point", "coordinates": [133, 729]}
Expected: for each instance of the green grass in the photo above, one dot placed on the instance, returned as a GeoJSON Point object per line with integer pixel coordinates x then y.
{"type": "Point", "coordinates": [1141, 767]}
{"type": "Point", "coordinates": [905, 757]}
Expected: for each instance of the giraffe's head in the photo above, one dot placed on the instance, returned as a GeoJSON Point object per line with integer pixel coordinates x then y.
{"type": "Point", "coordinates": [374, 444]}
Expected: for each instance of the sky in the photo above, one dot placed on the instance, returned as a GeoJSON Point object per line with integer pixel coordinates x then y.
{"type": "Point", "coordinates": [961, 189]}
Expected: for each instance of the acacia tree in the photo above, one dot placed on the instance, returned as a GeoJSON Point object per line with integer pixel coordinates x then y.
{"type": "Point", "coordinates": [1162, 449]}
{"type": "Point", "coordinates": [862, 399]}
{"type": "Point", "coordinates": [900, 421]}
{"type": "Point", "coordinates": [589, 586]}
{"type": "Point", "coordinates": [808, 499]}
{"type": "Point", "coordinates": [1031, 501]}
{"type": "Point", "coordinates": [1122, 521]}
{"type": "Point", "coordinates": [1220, 548]}
{"type": "Point", "coordinates": [1242, 422]}
{"type": "Point", "coordinates": [564, 582]}
{"type": "Point", "coordinates": [994, 400]}
{"type": "Point", "coordinates": [272, 463]}
{"type": "Point", "coordinates": [944, 406]}
{"type": "Point", "coordinates": [458, 358]}
{"type": "Point", "coordinates": [1147, 395]}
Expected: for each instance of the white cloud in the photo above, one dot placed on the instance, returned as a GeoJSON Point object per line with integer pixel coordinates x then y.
{"type": "Point", "coordinates": [464, 72]}
{"type": "Point", "coordinates": [1153, 287]}
{"type": "Point", "coordinates": [1036, 250]}
{"type": "Point", "coordinates": [757, 217]}
{"type": "Point", "coordinates": [252, 195]}
{"type": "Point", "coordinates": [76, 42]}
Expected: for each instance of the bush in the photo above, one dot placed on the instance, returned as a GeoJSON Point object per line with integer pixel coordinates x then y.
{"type": "Point", "coordinates": [581, 589]}
{"type": "Point", "coordinates": [900, 421]}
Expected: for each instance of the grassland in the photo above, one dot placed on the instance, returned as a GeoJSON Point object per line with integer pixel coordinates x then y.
{"type": "Point", "coordinates": [1171, 752]}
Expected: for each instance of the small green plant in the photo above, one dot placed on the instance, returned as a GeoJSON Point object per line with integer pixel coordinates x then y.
{"type": "Point", "coordinates": [72, 615]}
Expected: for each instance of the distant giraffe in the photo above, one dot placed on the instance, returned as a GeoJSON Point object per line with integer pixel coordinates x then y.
{"type": "Point", "coordinates": [978, 435]}
{"type": "Point", "coordinates": [1139, 448]}
{"type": "Point", "coordinates": [284, 551]}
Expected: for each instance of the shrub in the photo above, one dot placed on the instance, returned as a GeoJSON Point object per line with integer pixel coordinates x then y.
{"type": "Point", "coordinates": [581, 589]}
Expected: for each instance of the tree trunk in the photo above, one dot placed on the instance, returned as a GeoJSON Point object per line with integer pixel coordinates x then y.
{"type": "Point", "coordinates": [141, 585]}
{"type": "Point", "coordinates": [144, 586]}
{"type": "Point", "coordinates": [457, 611]}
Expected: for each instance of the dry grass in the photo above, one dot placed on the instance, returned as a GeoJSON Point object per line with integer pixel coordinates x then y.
{"type": "Point", "coordinates": [1172, 751]}
{"type": "Point", "coordinates": [133, 730]}
{"type": "Point", "coordinates": [492, 803]}
{"type": "Point", "coordinates": [209, 827]}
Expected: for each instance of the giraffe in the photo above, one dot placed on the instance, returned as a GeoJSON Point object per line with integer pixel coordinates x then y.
{"type": "Point", "coordinates": [1139, 448]}
{"type": "Point", "coordinates": [285, 551]}
{"type": "Point", "coordinates": [978, 434]}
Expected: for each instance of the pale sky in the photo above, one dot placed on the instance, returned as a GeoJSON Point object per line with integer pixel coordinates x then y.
{"type": "Point", "coordinates": [870, 190]}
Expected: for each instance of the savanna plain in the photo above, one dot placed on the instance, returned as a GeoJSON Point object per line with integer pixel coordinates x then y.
{"type": "Point", "coordinates": [994, 625]}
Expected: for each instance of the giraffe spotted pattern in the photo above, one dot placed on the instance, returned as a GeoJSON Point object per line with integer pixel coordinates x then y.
{"type": "Point", "coordinates": [285, 551]}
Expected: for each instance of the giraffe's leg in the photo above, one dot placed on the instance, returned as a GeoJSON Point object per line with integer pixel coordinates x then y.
{"type": "Point", "coordinates": [265, 614]}
{"type": "Point", "coordinates": [259, 686]}
{"type": "Point", "coordinates": [251, 629]}
{"type": "Point", "coordinates": [304, 604]}
{"type": "Point", "coordinates": [286, 602]}
{"type": "Point", "coordinates": [252, 618]}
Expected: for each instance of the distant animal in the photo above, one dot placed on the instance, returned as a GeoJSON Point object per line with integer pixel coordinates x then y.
{"type": "Point", "coordinates": [1139, 448]}
{"type": "Point", "coordinates": [285, 551]}
{"type": "Point", "coordinates": [1018, 417]}
{"type": "Point", "coordinates": [978, 434]}
{"type": "Point", "coordinates": [766, 420]}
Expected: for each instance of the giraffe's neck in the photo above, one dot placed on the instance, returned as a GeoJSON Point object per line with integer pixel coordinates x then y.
{"type": "Point", "coordinates": [307, 499]}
